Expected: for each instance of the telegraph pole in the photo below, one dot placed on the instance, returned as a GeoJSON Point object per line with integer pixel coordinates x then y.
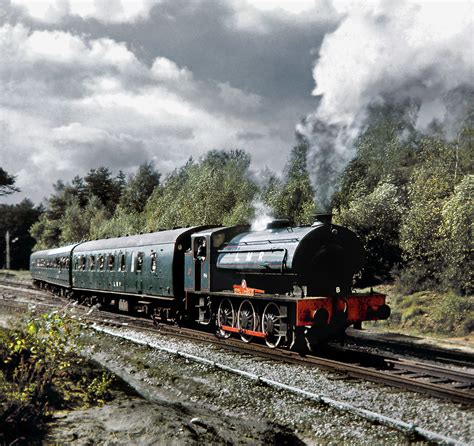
{"type": "Point", "coordinates": [7, 255]}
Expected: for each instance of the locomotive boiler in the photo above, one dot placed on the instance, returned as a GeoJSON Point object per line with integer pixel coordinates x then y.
{"type": "Point", "coordinates": [285, 285]}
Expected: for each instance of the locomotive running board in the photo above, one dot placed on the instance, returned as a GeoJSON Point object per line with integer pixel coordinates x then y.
{"type": "Point", "coordinates": [257, 334]}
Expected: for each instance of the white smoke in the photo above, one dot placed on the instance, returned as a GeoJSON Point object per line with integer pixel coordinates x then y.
{"type": "Point", "coordinates": [262, 216]}
{"type": "Point", "coordinates": [386, 53]}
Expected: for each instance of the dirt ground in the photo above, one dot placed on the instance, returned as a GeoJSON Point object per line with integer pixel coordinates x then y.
{"type": "Point", "coordinates": [134, 420]}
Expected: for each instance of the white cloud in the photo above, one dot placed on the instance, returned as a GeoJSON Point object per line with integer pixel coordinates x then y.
{"type": "Point", "coordinates": [238, 98]}
{"type": "Point", "coordinates": [108, 11]}
{"type": "Point", "coordinates": [253, 15]}
{"type": "Point", "coordinates": [164, 69]}
{"type": "Point", "coordinates": [70, 103]}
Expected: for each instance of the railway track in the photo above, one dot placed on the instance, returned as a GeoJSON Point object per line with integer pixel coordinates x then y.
{"type": "Point", "coordinates": [420, 350]}
{"type": "Point", "coordinates": [441, 382]}
{"type": "Point", "coordinates": [430, 379]}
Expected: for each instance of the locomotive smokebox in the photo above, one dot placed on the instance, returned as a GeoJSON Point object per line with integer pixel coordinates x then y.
{"type": "Point", "coordinates": [325, 219]}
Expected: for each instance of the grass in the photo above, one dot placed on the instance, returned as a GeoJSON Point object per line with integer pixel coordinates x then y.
{"type": "Point", "coordinates": [22, 276]}
{"type": "Point", "coordinates": [429, 312]}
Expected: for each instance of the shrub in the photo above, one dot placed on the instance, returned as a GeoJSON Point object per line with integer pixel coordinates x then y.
{"type": "Point", "coordinates": [454, 314]}
{"type": "Point", "coordinates": [40, 371]}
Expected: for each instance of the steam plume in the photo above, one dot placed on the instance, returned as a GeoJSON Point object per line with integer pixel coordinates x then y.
{"type": "Point", "coordinates": [381, 54]}
{"type": "Point", "coordinates": [262, 216]}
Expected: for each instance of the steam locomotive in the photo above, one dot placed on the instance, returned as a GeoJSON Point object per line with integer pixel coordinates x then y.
{"type": "Point", "coordinates": [288, 286]}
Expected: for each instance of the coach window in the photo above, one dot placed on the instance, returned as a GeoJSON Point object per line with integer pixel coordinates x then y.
{"type": "Point", "coordinates": [122, 262]}
{"type": "Point", "coordinates": [111, 262]}
{"type": "Point", "coordinates": [153, 262]}
{"type": "Point", "coordinates": [101, 262]}
{"type": "Point", "coordinates": [139, 261]}
{"type": "Point", "coordinates": [91, 263]}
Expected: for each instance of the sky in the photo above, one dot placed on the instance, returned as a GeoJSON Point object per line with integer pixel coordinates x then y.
{"type": "Point", "coordinates": [116, 83]}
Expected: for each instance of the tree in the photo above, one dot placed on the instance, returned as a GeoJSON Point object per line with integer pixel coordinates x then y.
{"type": "Point", "coordinates": [456, 235]}
{"type": "Point", "coordinates": [139, 188]}
{"type": "Point", "coordinates": [124, 222]}
{"type": "Point", "coordinates": [100, 183]}
{"type": "Point", "coordinates": [386, 151]}
{"type": "Point", "coordinates": [79, 223]}
{"type": "Point", "coordinates": [7, 183]}
{"type": "Point", "coordinates": [215, 190]}
{"type": "Point", "coordinates": [432, 183]}
{"type": "Point", "coordinates": [47, 230]}
{"type": "Point", "coordinates": [17, 219]}
{"type": "Point", "coordinates": [375, 218]}
{"type": "Point", "coordinates": [294, 197]}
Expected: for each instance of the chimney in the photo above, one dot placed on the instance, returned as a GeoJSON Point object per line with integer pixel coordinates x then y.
{"type": "Point", "coordinates": [325, 219]}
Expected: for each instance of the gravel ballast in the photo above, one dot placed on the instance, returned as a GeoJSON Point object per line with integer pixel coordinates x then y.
{"type": "Point", "coordinates": [311, 421]}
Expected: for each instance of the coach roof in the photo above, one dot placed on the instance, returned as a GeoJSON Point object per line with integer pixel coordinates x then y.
{"type": "Point", "coordinates": [62, 250]}
{"type": "Point", "coordinates": [153, 238]}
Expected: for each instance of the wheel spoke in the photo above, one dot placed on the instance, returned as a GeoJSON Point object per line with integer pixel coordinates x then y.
{"type": "Point", "coordinates": [271, 325]}
{"type": "Point", "coordinates": [246, 319]}
{"type": "Point", "coordinates": [225, 316]}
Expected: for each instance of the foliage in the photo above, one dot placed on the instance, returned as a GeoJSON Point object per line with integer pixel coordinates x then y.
{"type": "Point", "coordinates": [456, 236]}
{"type": "Point", "coordinates": [139, 188]}
{"type": "Point", "coordinates": [39, 372]}
{"type": "Point", "coordinates": [75, 210]}
{"type": "Point", "coordinates": [17, 219]}
{"type": "Point", "coordinates": [99, 183]}
{"type": "Point", "coordinates": [432, 182]}
{"type": "Point", "coordinates": [375, 217]}
{"type": "Point", "coordinates": [432, 312]}
{"type": "Point", "coordinates": [122, 223]}
{"type": "Point", "coordinates": [98, 391]}
{"type": "Point", "coordinates": [214, 190]}
{"type": "Point", "coordinates": [7, 183]}
{"type": "Point", "coordinates": [79, 223]}
{"type": "Point", "coordinates": [292, 198]}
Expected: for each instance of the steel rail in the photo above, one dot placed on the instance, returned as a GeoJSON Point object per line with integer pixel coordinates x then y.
{"type": "Point", "coordinates": [421, 349]}
{"type": "Point", "coordinates": [396, 372]}
{"type": "Point", "coordinates": [407, 428]}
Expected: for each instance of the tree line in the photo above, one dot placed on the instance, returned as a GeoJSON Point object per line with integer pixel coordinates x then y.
{"type": "Point", "coordinates": [407, 196]}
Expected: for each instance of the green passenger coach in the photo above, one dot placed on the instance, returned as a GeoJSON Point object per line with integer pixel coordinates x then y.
{"type": "Point", "coordinates": [146, 266]}
{"type": "Point", "coordinates": [50, 268]}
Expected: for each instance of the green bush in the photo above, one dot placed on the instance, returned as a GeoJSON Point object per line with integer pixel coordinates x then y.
{"type": "Point", "coordinates": [454, 314]}
{"type": "Point", "coordinates": [39, 372]}
{"type": "Point", "coordinates": [432, 312]}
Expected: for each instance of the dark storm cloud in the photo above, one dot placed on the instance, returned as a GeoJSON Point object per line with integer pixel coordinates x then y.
{"type": "Point", "coordinates": [275, 63]}
{"type": "Point", "coordinates": [249, 136]}
{"type": "Point", "coordinates": [230, 84]}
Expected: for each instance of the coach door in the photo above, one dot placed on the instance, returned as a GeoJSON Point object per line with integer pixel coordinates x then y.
{"type": "Point", "coordinates": [137, 264]}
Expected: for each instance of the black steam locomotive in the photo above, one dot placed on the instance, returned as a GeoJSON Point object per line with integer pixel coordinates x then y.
{"type": "Point", "coordinates": [285, 285]}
